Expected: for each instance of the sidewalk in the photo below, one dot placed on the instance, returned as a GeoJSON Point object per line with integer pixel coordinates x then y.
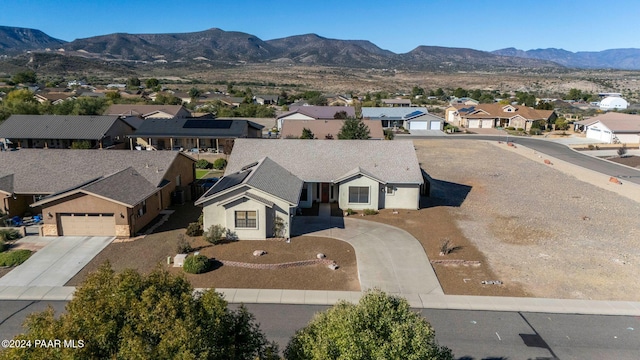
{"type": "Point", "coordinates": [418, 301]}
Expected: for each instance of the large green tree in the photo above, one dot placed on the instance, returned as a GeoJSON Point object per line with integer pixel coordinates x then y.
{"type": "Point", "coordinates": [354, 129]}
{"type": "Point", "coordinates": [380, 326]}
{"type": "Point", "coordinates": [25, 77]}
{"type": "Point", "coordinates": [132, 316]}
{"type": "Point", "coordinates": [307, 134]}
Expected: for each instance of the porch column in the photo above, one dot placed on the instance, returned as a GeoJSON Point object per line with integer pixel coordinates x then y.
{"type": "Point", "coordinates": [100, 144]}
{"type": "Point", "coordinates": [216, 144]}
{"type": "Point", "coordinates": [130, 143]}
{"type": "Point", "coordinates": [149, 143]}
{"type": "Point", "coordinates": [198, 144]}
{"type": "Point", "coordinates": [171, 142]}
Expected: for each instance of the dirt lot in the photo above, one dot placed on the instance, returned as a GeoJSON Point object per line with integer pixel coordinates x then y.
{"type": "Point", "coordinates": [633, 161]}
{"type": "Point", "coordinates": [549, 232]}
{"type": "Point", "coordinates": [144, 254]}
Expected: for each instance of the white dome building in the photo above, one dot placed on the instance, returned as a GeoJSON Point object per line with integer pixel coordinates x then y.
{"type": "Point", "coordinates": [613, 102]}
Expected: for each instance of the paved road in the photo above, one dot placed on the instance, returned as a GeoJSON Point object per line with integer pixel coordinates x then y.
{"type": "Point", "coordinates": [57, 262]}
{"type": "Point", "coordinates": [558, 151]}
{"type": "Point", "coordinates": [470, 334]}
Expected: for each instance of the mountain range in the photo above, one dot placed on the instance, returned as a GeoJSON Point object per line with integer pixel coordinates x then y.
{"type": "Point", "coordinates": [217, 46]}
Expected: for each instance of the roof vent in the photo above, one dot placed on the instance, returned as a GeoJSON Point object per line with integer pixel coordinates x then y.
{"type": "Point", "coordinates": [247, 167]}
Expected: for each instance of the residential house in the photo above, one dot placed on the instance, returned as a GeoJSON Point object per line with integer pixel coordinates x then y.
{"type": "Point", "coordinates": [415, 118]}
{"type": "Point", "coordinates": [326, 129]}
{"type": "Point", "coordinates": [612, 128]}
{"type": "Point", "coordinates": [396, 102]}
{"type": "Point", "coordinates": [266, 99]}
{"type": "Point", "coordinates": [267, 179]}
{"type": "Point", "coordinates": [463, 101]}
{"type": "Point", "coordinates": [53, 98]}
{"type": "Point", "coordinates": [192, 133]}
{"type": "Point", "coordinates": [497, 115]}
{"type": "Point", "coordinates": [61, 131]}
{"type": "Point", "coordinates": [315, 113]}
{"type": "Point", "coordinates": [93, 193]}
{"type": "Point", "coordinates": [148, 111]}
{"type": "Point", "coordinates": [613, 103]}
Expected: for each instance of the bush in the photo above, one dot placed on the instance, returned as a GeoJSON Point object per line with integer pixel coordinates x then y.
{"type": "Point", "coordinates": [623, 150]}
{"type": "Point", "coordinates": [215, 234]}
{"type": "Point", "coordinates": [450, 128]}
{"type": "Point", "coordinates": [219, 164]}
{"type": "Point", "coordinates": [194, 229]}
{"type": "Point", "coordinates": [9, 234]}
{"type": "Point", "coordinates": [350, 211]}
{"type": "Point", "coordinates": [14, 258]}
{"type": "Point", "coordinates": [591, 147]}
{"type": "Point", "coordinates": [510, 128]}
{"type": "Point", "coordinates": [203, 164]}
{"type": "Point", "coordinates": [196, 264]}
{"type": "Point", "coordinates": [184, 246]}
{"type": "Point", "coordinates": [388, 135]}
{"type": "Point", "coordinates": [535, 131]}
{"type": "Point", "coordinates": [519, 129]}
{"type": "Point", "coordinates": [370, 212]}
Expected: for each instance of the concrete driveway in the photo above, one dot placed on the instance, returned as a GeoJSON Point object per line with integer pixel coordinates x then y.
{"type": "Point", "coordinates": [57, 262]}
{"type": "Point", "coordinates": [388, 258]}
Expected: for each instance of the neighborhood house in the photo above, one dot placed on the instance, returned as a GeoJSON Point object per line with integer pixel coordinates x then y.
{"type": "Point", "coordinates": [90, 192]}
{"type": "Point", "coordinates": [497, 115]}
{"type": "Point", "coordinates": [268, 180]}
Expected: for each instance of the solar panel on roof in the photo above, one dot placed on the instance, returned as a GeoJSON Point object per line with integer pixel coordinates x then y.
{"type": "Point", "coordinates": [249, 166]}
{"type": "Point", "coordinates": [207, 124]}
{"type": "Point", "coordinates": [415, 113]}
{"type": "Point", "coordinates": [228, 181]}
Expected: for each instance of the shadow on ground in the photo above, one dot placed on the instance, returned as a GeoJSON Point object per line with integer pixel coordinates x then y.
{"type": "Point", "coordinates": [445, 193]}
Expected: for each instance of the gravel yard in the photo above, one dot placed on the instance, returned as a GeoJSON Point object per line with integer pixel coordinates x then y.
{"type": "Point", "coordinates": [555, 235]}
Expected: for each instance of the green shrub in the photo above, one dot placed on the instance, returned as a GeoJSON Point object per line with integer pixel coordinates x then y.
{"type": "Point", "coordinates": [9, 234]}
{"type": "Point", "coordinates": [535, 131]}
{"type": "Point", "coordinates": [519, 129]}
{"type": "Point", "coordinates": [510, 128]}
{"type": "Point", "coordinates": [450, 128]}
{"type": "Point", "coordinates": [196, 264]}
{"type": "Point", "coordinates": [219, 164]}
{"type": "Point", "coordinates": [370, 212]}
{"type": "Point", "coordinates": [84, 144]}
{"type": "Point", "coordinates": [215, 234]}
{"type": "Point", "coordinates": [14, 258]}
{"type": "Point", "coordinates": [388, 135]}
{"type": "Point", "coordinates": [203, 164]}
{"type": "Point", "coordinates": [350, 211]}
{"type": "Point", "coordinates": [591, 147]}
{"type": "Point", "coordinates": [194, 229]}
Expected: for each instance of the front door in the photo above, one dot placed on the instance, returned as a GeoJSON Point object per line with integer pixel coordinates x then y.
{"type": "Point", "coordinates": [324, 192]}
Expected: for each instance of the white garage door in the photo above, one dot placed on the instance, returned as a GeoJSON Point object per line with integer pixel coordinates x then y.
{"type": "Point", "coordinates": [434, 125]}
{"type": "Point", "coordinates": [486, 124]}
{"type": "Point", "coordinates": [418, 125]}
{"type": "Point", "coordinates": [87, 225]}
{"type": "Point", "coordinates": [598, 134]}
{"type": "Point", "coordinates": [474, 124]}
{"type": "Point", "coordinates": [628, 138]}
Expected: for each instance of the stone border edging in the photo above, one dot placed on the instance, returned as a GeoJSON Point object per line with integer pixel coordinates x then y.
{"type": "Point", "coordinates": [277, 266]}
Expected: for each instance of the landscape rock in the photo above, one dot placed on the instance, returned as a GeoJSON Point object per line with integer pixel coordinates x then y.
{"type": "Point", "coordinates": [259, 253]}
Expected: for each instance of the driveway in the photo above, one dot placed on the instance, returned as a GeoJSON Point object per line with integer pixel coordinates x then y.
{"type": "Point", "coordinates": [57, 262]}
{"type": "Point", "coordinates": [388, 258]}
{"type": "Point", "coordinates": [426, 133]}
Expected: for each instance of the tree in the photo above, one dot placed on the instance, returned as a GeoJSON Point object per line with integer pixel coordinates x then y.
{"type": "Point", "coordinates": [152, 83]}
{"type": "Point", "coordinates": [307, 134]}
{"type": "Point", "coordinates": [439, 92]}
{"type": "Point", "coordinates": [561, 124]}
{"type": "Point", "coordinates": [476, 94]}
{"type": "Point", "coordinates": [156, 316]}
{"type": "Point", "coordinates": [25, 77]}
{"type": "Point", "coordinates": [353, 129]}
{"type": "Point", "coordinates": [574, 94]}
{"type": "Point", "coordinates": [194, 93]}
{"type": "Point", "coordinates": [544, 105]}
{"type": "Point", "coordinates": [133, 82]}
{"type": "Point", "coordinates": [380, 326]}
{"type": "Point", "coordinates": [460, 92]}
{"type": "Point", "coordinates": [417, 91]}
{"type": "Point", "coordinates": [622, 151]}
{"type": "Point", "coordinates": [340, 115]}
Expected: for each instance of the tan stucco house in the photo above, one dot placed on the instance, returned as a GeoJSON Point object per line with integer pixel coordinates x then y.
{"type": "Point", "coordinates": [92, 193]}
{"type": "Point", "coordinates": [266, 179]}
{"type": "Point", "coordinates": [497, 115]}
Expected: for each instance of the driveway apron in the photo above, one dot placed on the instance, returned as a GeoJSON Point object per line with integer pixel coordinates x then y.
{"type": "Point", "coordinates": [57, 262]}
{"type": "Point", "coordinates": [388, 258]}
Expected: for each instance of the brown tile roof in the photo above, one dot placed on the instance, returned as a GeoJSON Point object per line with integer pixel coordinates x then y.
{"type": "Point", "coordinates": [617, 122]}
{"type": "Point", "coordinates": [136, 109]}
{"type": "Point", "coordinates": [495, 110]}
{"type": "Point", "coordinates": [320, 128]}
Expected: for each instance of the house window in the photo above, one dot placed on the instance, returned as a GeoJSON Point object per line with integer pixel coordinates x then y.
{"type": "Point", "coordinates": [304, 196]}
{"type": "Point", "coordinates": [358, 194]}
{"type": "Point", "coordinates": [246, 219]}
{"type": "Point", "coordinates": [389, 190]}
{"type": "Point", "coordinates": [178, 181]}
{"type": "Point", "coordinates": [143, 208]}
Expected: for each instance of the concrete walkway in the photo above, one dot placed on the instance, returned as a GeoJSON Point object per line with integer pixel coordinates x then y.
{"type": "Point", "coordinates": [57, 262]}
{"type": "Point", "coordinates": [388, 258]}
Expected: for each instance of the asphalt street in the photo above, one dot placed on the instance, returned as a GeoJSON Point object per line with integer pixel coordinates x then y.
{"type": "Point", "coordinates": [470, 334]}
{"type": "Point", "coordinates": [551, 148]}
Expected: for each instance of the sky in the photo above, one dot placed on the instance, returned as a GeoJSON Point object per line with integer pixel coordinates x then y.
{"type": "Point", "coordinates": [399, 26]}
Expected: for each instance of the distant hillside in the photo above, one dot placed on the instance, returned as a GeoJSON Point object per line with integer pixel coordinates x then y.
{"type": "Point", "coordinates": [15, 40]}
{"type": "Point", "coordinates": [625, 59]}
{"type": "Point", "coordinates": [61, 65]}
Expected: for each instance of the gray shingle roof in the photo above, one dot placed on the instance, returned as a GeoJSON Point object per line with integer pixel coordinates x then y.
{"type": "Point", "coordinates": [265, 175]}
{"type": "Point", "coordinates": [70, 127]}
{"type": "Point", "coordinates": [194, 127]}
{"type": "Point", "coordinates": [6, 183]}
{"type": "Point", "coordinates": [42, 171]}
{"type": "Point", "coordinates": [327, 160]}
{"type": "Point", "coordinates": [390, 113]}
{"type": "Point", "coordinates": [137, 187]}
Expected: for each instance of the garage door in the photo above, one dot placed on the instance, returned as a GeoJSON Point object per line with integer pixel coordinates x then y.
{"type": "Point", "coordinates": [418, 125]}
{"type": "Point", "coordinates": [487, 124]}
{"type": "Point", "coordinates": [87, 225]}
{"type": "Point", "coordinates": [434, 125]}
{"type": "Point", "coordinates": [474, 124]}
